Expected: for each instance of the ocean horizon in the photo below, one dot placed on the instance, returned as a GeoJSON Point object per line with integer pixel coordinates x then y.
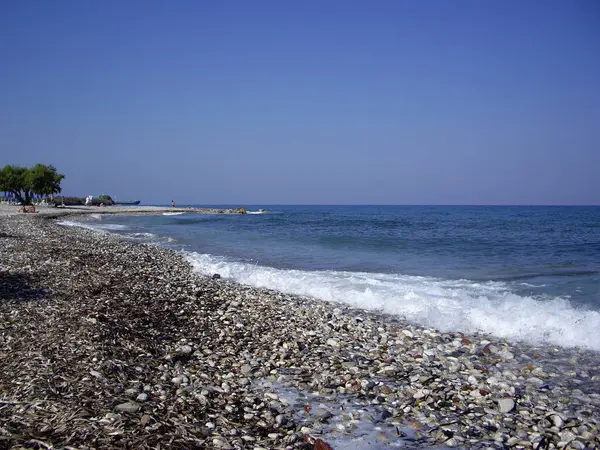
{"type": "Point", "coordinates": [459, 205]}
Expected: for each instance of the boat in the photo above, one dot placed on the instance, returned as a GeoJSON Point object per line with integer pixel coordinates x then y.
{"type": "Point", "coordinates": [126, 202]}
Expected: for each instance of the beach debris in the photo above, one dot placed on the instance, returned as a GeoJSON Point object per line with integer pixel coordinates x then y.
{"type": "Point", "coordinates": [317, 443]}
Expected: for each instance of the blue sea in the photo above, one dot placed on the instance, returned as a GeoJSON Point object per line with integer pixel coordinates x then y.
{"type": "Point", "coordinates": [529, 274]}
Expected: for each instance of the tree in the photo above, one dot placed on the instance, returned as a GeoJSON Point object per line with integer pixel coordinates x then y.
{"type": "Point", "coordinates": [25, 182]}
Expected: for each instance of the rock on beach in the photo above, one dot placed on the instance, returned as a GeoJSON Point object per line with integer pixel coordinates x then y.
{"type": "Point", "coordinates": [122, 345]}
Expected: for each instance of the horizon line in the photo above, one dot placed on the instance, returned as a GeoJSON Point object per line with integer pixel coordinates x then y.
{"type": "Point", "coordinates": [382, 204]}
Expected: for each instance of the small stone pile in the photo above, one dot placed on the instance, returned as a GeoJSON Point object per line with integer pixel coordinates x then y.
{"type": "Point", "coordinates": [105, 343]}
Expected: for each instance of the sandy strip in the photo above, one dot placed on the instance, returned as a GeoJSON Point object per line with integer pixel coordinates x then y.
{"type": "Point", "coordinates": [11, 210]}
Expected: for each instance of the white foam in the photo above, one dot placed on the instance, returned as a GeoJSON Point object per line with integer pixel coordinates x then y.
{"type": "Point", "coordinates": [103, 227]}
{"type": "Point", "coordinates": [143, 235]}
{"type": "Point", "coordinates": [255, 212]}
{"type": "Point", "coordinates": [172, 213]}
{"type": "Point", "coordinates": [447, 305]}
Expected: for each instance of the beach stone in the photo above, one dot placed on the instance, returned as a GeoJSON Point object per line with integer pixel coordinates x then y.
{"type": "Point", "coordinates": [567, 436]}
{"type": "Point", "coordinates": [333, 342]}
{"type": "Point", "coordinates": [142, 397]}
{"type": "Point", "coordinates": [535, 380]}
{"type": "Point", "coordinates": [508, 355]}
{"type": "Point", "coordinates": [130, 407]}
{"type": "Point", "coordinates": [280, 419]}
{"type": "Point", "coordinates": [323, 415]}
{"type": "Point", "coordinates": [419, 394]}
{"type": "Point", "coordinates": [557, 421]}
{"type": "Point", "coordinates": [385, 414]}
{"type": "Point", "coordinates": [220, 443]}
{"type": "Point", "coordinates": [506, 405]}
{"type": "Point", "coordinates": [185, 349]}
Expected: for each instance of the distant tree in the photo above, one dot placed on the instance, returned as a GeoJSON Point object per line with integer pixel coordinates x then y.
{"type": "Point", "coordinates": [25, 182]}
{"type": "Point", "coordinates": [106, 199]}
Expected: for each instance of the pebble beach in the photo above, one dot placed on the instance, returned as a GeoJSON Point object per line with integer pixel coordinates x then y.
{"type": "Point", "coordinates": [106, 343]}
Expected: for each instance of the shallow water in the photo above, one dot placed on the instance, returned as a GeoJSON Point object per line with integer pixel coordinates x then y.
{"type": "Point", "coordinates": [344, 422]}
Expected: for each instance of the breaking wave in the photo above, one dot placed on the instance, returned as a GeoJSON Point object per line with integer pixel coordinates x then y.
{"type": "Point", "coordinates": [447, 305]}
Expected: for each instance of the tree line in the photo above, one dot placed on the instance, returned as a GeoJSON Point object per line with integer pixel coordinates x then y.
{"type": "Point", "coordinates": [24, 183]}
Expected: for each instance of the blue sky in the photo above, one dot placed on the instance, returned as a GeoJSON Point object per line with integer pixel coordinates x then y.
{"type": "Point", "coordinates": [334, 102]}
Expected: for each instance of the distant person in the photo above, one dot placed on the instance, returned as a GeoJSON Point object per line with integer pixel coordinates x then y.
{"type": "Point", "coordinates": [172, 204]}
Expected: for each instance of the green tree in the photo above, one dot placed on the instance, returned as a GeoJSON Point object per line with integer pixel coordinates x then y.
{"type": "Point", "coordinates": [25, 182]}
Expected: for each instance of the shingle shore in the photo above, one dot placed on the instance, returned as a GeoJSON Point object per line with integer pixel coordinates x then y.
{"type": "Point", "coordinates": [105, 343]}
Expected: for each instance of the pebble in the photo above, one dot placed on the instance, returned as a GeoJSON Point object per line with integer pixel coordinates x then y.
{"type": "Point", "coordinates": [506, 405]}
{"type": "Point", "coordinates": [129, 407]}
{"type": "Point", "coordinates": [185, 350]}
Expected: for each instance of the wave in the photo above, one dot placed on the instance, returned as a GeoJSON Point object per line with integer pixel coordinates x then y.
{"type": "Point", "coordinates": [172, 213]}
{"type": "Point", "coordinates": [149, 238]}
{"type": "Point", "coordinates": [143, 235]}
{"type": "Point", "coordinates": [192, 219]}
{"type": "Point", "coordinates": [569, 273]}
{"type": "Point", "coordinates": [103, 227]}
{"type": "Point", "coordinates": [255, 212]}
{"type": "Point", "coordinates": [447, 305]}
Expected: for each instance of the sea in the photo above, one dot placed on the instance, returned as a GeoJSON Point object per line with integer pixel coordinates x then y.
{"type": "Point", "coordinates": [528, 274]}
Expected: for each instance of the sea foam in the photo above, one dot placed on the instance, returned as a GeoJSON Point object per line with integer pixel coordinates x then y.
{"type": "Point", "coordinates": [447, 305]}
{"type": "Point", "coordinates": [105, 227]}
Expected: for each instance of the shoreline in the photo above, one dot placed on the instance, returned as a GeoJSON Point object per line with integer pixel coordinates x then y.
{"type": "Point", "coordinates": [123, 343]}
{"type": "Point", "coordinates": [12, 210]}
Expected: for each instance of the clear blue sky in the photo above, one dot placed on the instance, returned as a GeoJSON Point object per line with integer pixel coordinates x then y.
{"type": "Point", "coordinates": [328, 101]}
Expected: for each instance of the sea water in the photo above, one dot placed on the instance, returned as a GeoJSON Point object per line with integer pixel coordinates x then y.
{"type": "Point", "coordinates": [529, 274]}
